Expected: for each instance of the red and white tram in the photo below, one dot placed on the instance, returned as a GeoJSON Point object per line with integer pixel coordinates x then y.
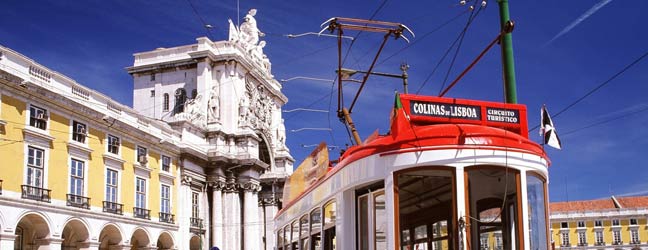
{"type": "Point", "coordinates": [451, 174]}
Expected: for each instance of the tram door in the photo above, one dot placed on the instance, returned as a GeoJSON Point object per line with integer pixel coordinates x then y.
{"type": "Point", "coordinates": [426, 205]}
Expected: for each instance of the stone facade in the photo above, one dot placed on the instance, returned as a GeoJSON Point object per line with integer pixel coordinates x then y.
{"type": "Point", "coordinates": [213, 108]}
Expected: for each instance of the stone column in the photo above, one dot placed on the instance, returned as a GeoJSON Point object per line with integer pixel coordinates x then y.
{"type": "Point", "coordinates": [7, 241]}
{"type": "Point", "coordinates": [271, 207]}
{"type": "Point", "coordinates": [251, 220]}
{"type": "Point", "coordinates": [232, 215]}
{"type": "Point", "coordinates": [217, 213]}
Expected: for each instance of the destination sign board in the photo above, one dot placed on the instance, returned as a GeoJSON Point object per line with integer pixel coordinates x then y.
{"type": "Point", "coordinates": [437, 110]}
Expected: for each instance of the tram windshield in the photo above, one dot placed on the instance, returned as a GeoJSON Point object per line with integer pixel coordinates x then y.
{"type": "Point", "coordinates": [426, 209]}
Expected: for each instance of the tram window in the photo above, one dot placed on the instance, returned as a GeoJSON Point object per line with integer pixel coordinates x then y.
{"type": "Point", "coordinates": [280, 239]}
{"type": "Point", "coordinates": [405, 239]}
{"type": "Point", "coordinates": [303, 226]}
{"type": "Point", "coordinates": [295, 234]}
{"type": "Point", "coordinates": [316, 229]}
{"type": "Point", "coordinates": [287, 237]}
{"type": "Point", "coordinates": [329, 226]}
{"type": "Point", "coordinates": [363, 222]}
{"type": "Point", "coordinates": [494, 207]}
{"type": "Point", "coordinates": [537, 212]}
{"type": "Point", "coordinates": [380, 226]}
{"type": "Point", "coordinates": [426, 203]}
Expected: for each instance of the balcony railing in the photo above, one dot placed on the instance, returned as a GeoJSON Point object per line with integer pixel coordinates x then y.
{"type": "Point", "coordinates": [635, 242]}
{"type": "Point", "coordinates": [196, 225]}
{"type": "Point", "coordinates": [617, 243]}
{"type": "Point", "coordinates": [141, 213]}
{"type": "Point", "coordinates": [166, 217]}
{"type": "Point", "coordinates": [113, 208]}
{"type": "Point", "coordinates": [600, 243]}
{"type": "Point", "coordinates": [78, 201]}
{"type": "Point", "coordinates": [35, 193]}
{"type": "Point", "coordinates": [582, 244]}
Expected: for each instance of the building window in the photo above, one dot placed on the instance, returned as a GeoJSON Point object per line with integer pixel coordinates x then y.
{"type": "Point", "coordinates": [165, 199]}
{"type": "Point", "coordinates": [565, 239]}
{"type": "Point", "coordinates": [76, 177]}
{"type": "Point", "coordinates": [483, 242]}
{"type": "Point", "coordinates": [113, 144]}
{"type": "Point", "coordinates": [582, 240]}
{"type": "Point", "coordinates": [140, 193]}
{"type": "Point", "coordinates": [165, 102]}
{"type": "Point", "coordinates": [195, 209]}
{"type": "Point", "coordinates": [564, 225]}
{"type": "Point", "coordinates": [152, 76]}
{"type": "Point", "coordinates": [166, 163]}
{"type": "Point", "coordinates": [37, 117]}
{"type": "Point", "coordinates": [615, 222]}
{"type": "Point", "coordinates": [180, 99]}
{"type": "Point", "coordinates": [111, 185]}
{"type": "Point", "coordinates": [152, 93]}
{"type": "Point", "coordinates": [634, 236]}
{"type": "Point", "coordinates": [498, 242]}
{"type": "Point", "coordinates": [633, 222]}
{"type": "Point", "coordinates": [142, 152]}
{"type": "Point", "coordinates": [79, 133]}
{"type": "Point", "coordinates": [616, 236]}
{"type": "Point", "coordinates": [581, 224]}
{"type": "Point", "coordinates": [598, 223]}
{"type": "Point", "coordinates": [599, 238]}
{"type": "Point", "coordinates": [35, 166]}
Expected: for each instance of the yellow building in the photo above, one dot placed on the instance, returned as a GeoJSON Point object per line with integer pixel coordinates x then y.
{"type": "Point", "coordinates": [613, 223]}
{"type": "Point", "coordinates": [74, 177]}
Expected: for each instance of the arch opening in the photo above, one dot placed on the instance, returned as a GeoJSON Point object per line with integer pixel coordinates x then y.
{"type": "Point", "coordinates": [194, 243]}
{"type": "Point", "coordinates": [139, 239]}
{"type": "Point", "coordinates": [164, 241]}
{"type": "Point", "coordinates": [75, 235]}
{"type": "Point", "coordinates": [31, 231]}
{"type": "Point", "coordinates": [109, 236]}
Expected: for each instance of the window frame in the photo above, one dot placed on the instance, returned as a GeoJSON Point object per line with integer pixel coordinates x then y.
{"type": "Point", "coordinates": [165, 166]}
{"type": "Point", "coordinates": [79, 132]}
{"type": "Point", "coordinates": [111, 186]}
{"type": "Point", "coordinates": [195, 204]}
{"type": "Point", "coordinates": [598, 223]}
{"type": "Point", "coordinates": [140, 192]}
{"type": "Point", "coordinates": [78, 165]}
{"type": "Point", "coordinates": [35, 121]}
{"type": "Point", "coordinates": [110, 140]}
{"type": "Point", "coordinates": [165, 102]}
{"type": "Point", "coordinates": [165, 199]}
{"type": "Point", "coordinates": [616, 222]}
{"type": "Point", "coordinates": [564, 239]}
{"type": "Point", "coordinates": [616, 237]}
{"type": "Point", "coordinates": [34, 168]}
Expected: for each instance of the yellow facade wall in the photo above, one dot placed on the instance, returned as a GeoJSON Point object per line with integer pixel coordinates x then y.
{"type": "Point", "coordinates": [127, 187]}
{"type": "Point", "coordinates": [96, 168]}
{"type": "Point", "coordinates": [57, 169]}
{"type": "Point", "coordinates": [153, 197]}
{"type": "Point", "coordinates": [12, 150]}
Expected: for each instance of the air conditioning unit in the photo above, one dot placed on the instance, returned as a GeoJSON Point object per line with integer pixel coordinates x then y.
{"type": "Point", "coordinates": [41, 116]}
{"type": "Point", "coordinates": [81, 130]}
{"type": "Point", "coordinates": [114, 143]}
{"type": "Point", "coordinates": [142, 159]}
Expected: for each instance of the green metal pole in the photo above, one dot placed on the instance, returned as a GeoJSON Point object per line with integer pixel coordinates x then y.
{"type": "Point", "coordinates": [507, 55]}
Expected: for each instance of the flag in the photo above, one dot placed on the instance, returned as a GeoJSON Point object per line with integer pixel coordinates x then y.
{"type": "Point", "coordinates": [547, 129]}
{"type": "Point", "coordinates": [399, 120]}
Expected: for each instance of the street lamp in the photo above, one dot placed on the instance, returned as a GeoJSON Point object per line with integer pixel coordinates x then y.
{"type": "Point", "coordinates": [346, 73]}
{"type": "Point", "coordinates": [314, 33]}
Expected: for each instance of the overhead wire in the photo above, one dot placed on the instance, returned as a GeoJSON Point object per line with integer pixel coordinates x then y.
{"type": "Point", "coordinates": [620, 72]}
{"type": "Point", "coordinates": [461, 39]}
{"type": "Point", "coordinates": [605, 121]}
{"type": "Point", "coordinates": [205, 24]}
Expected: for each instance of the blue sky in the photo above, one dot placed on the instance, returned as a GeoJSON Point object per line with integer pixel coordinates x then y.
{"type": "Point", "coordinates": [563, 49]}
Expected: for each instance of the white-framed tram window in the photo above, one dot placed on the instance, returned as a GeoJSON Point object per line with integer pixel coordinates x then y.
{"type": "Point", "coordinates": [372, 222]}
